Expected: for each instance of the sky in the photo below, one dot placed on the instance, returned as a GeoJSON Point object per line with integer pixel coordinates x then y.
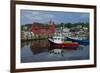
{"type": "Point", "coordinates": [31, 16]}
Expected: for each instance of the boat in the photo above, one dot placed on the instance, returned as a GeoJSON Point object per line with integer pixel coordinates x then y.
{"type": "Point", "coordinates": [58, 41]}
{"type": "Point", "coordinates": [80, 40]}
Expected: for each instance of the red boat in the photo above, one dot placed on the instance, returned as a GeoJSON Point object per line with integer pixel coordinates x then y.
{"type": "Point", "coordinates": [58, 41]}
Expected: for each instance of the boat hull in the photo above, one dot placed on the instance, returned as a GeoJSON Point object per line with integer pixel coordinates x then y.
{"type": "Point", "coordinates": [63, 45]}
{"type": "Point", "coordinates": [82, 42]}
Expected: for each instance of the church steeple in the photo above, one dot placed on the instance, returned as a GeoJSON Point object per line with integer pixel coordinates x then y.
{"type": "Point", "coordinates": [51, 22]}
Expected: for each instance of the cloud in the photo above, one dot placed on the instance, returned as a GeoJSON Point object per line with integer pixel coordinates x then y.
{"type": "Point", "coordinates": [37, 15]}
{"type": "Point", "coordinates": [30, 16]}
{"type": "Point", "coordinates": [86, 15]}
{"type": "Point", "coordinates": [49, 15]}
{"type": "Point", "coordinates": [35, 12]}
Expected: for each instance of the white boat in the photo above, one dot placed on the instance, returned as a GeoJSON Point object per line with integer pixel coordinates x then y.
{"type": "Point", "coordinates": [58, 41]}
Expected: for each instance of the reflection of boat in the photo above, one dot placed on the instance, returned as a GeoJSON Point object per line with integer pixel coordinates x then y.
{"type": "Point", "coordinates": [80, 40]}
{"type": "Point", "coordinates": [58, 41]}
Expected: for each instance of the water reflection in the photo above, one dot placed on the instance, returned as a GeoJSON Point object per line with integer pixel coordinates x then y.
{"type": "Point", "coordinates": [37, 46]}
{"type": "Point", "coordinates": [39, 51]}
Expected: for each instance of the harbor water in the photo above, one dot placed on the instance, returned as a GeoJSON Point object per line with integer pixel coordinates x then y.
{"type": "Point", "coordinates": [40, 51]}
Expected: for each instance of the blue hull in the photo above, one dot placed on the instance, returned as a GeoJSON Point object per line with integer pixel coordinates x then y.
{"type": "Point", "coordinates": [82, 42]}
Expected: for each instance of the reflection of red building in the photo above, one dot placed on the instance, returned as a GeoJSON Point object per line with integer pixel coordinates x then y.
{"type": "Point", "coordinates": [40, 29]}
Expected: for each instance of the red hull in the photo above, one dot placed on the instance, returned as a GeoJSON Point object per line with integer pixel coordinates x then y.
{"type": "Point", "coordinates": [69, 44]}
{"type": "Point", "coordinates": [64, 45]}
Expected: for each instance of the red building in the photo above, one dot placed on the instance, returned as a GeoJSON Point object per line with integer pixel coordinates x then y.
{"type": "Point", "coordinates": [43, 30]}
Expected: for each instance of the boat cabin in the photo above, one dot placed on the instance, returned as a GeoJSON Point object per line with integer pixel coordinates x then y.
{"type": "Point", "coordinates": [58, 38]}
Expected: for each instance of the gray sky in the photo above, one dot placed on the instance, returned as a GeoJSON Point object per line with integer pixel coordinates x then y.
{"type": "Point", "coordinates": [30, 16]}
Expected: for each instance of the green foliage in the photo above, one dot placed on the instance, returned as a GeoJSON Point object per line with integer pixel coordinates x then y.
{"type": "Point", "coordinates": [69, 25]}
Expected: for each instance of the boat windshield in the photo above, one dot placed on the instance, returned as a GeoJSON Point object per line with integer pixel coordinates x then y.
{"type": "Point", "coordinates": [58, 38]}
